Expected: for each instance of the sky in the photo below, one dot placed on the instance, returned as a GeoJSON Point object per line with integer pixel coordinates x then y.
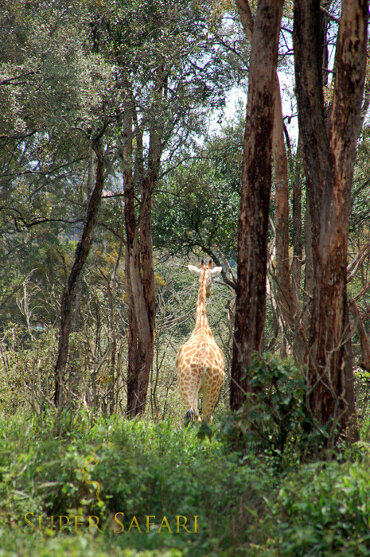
{"type": "Point", "coordinates": [238, 95]}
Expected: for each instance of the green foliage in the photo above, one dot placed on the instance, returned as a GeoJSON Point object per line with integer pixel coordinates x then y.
{"type": "Point", "coordinates": [25, 378]}
{"type": "Point", "coordinates": [142, 469]}
{"type": "Point", "coordinates": [273, 420]}
{"type": "Point", "coordinates": [362, 390]}
{"type": "Point", "coordinates": [325, 510]}
{"type": "Point", "coordinates": [197, 206]}
{"type": "Point", "coordinates": [80, 466]}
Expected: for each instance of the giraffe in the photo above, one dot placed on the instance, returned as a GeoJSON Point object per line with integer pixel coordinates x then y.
{"type": "Point", "coordinates": [200, 362]}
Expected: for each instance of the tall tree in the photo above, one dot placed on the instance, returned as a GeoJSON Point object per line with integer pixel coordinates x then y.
{"type": "Point", "coordinates": [288, 302]}
{"type": "Point", "coordinates": [255, 196]}
{"type": "Point", "coordinates": [45, 152]}
{"type": "Point", "coordinates": [139, 270]}
{"type": "Point", "coordinates": [328, 150]}
{"type": "Point", "coordinates": [82, 251]}
{"type": "Point", "coordinates": [162, 51]}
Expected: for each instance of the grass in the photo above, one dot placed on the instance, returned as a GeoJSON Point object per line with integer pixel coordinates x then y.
{"type": "Point", "coordinates": [82, 467]}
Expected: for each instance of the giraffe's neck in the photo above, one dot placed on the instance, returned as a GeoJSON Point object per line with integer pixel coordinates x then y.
{"type": "Point", "coordinates": [201, 321]}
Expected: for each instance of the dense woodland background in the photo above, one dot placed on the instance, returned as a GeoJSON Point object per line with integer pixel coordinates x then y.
{"type": "Point", "coordinates": [119, 165]}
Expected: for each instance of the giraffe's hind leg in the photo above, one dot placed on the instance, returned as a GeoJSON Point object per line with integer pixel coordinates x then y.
{"type": "Point", "coordinates": [213, 383]}
{"type": "Point", "coordinates": [189, 392]}
{"type": "Point", "coordinates": [189, 417]}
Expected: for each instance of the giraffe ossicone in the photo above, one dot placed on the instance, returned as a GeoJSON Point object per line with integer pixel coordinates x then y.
{"type": "Point", "coordinates": [200, 362]}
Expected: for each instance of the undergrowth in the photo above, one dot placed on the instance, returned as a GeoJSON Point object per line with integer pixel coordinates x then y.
{"type": "Point", "coordinates": [121, 472]}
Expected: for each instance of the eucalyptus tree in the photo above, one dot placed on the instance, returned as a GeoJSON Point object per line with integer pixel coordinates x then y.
{"type": "Point", "coordinates": [255, 196]}
{"type": "Point", "coordinates": [40, 153]}
{"type": "Point", "coordinates": [329, 148]}
{"type": "Point", "coordinates": [51, 95]}
{"type": "Point", "coordinates": [330, 113]}
{"type": "Point", "coordinates": [285, 291]}
{"type": "Point", "coordinates": [171, 70]}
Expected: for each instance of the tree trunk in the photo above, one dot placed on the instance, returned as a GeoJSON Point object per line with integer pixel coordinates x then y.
{"type": "Point", "coordinates": [140, 279]}
{"type": "Point", "coordinates": [309, 279]}
{"type": "Point", "coordinates": [297, 229]}
{"type": "Point", "coordinates": [68, 300]}
{"type": "Point", "coordinates": [328, 159]}
{"type": "Point", "coordinates": [285, 295]}
{"type": "Point", "coordinates": [255, 197]}
{"type": "Point", "coordinates": [141, 294]}
{"type": "Point", "coordinates": [86, 193]}
{"type": "Point", "coordinates": [288, 305]}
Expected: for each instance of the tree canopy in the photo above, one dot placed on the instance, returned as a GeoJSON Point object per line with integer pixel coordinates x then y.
{"type": "Point", "coordinates": [147, 81]}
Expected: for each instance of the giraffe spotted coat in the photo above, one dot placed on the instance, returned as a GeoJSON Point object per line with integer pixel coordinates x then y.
{"type": "Point", "coordinates": [200, 362]}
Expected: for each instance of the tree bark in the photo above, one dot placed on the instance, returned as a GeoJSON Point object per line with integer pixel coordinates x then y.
{"type": "Point", "coordinates": [309, 280]}
{"type": "Point", "coordinates": [255, 197]}
{"type": "Point", "coordinates": [139, 271]}
{"type": "Point", "coordinates": [68, 300]}
{"type": "Point", "coordinates": [328, 154]}
{"type": "Point", "coordinates": [141, 294]}
{"type": "Point", "coordinates": [297, 229]}
{"type": "Point", "coordinates": [288, 305]}
{"type": "Point", "coordinates": [285, 295]}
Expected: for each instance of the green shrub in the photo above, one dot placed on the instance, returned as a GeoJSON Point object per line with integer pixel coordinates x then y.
{"type": "Point", "coordinates": [273, 419]}
{"type": "Point", "coordinates": [26, 380]}
{"type": "Point", "coordinates": [141, 469]}
{"type": "Point", "coordinates": [61, 464]}
{"type": "Point", "coordinates": [325, 510]}
{"type": "Point", "coordinates": [362, 389]}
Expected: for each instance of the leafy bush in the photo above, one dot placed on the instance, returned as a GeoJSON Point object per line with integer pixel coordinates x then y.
{"type": "Point", "coordinates": [273, 419]}
{"type": "Point", "coordinates": [141, 469]}
{"type": "Point", "coordinates": [362, 389]}
{"type": "Point", "coordinates": [325, 510]}
{"type": "Point", "coordinates": [61, 464]}
{"type": "Point", "coordinates": [25, 378]}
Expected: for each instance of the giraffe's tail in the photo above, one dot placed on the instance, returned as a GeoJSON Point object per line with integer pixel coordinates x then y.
{"type": "Point", "coordinates": [189, 417]}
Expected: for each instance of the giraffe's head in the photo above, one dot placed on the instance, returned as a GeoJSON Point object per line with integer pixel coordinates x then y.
{"type": "Point", "coordinates": [206, 273]}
